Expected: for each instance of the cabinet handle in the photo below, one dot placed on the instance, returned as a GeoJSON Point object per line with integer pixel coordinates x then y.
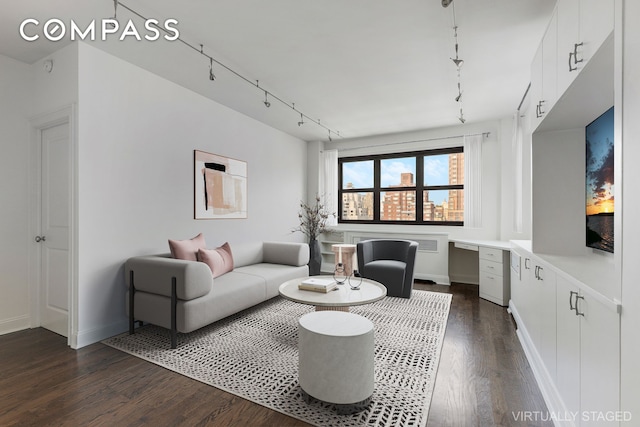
{"type": "Point", "coordinates": [526, 264]}
{"type": "Point", "coordinates": [539, 111]}
{"type": "Point", "coordinates": [574, 54]}
{"type": "Point", "coordinates": [571, 294]}
{"type": "Point", "coordinates": [577, 311]}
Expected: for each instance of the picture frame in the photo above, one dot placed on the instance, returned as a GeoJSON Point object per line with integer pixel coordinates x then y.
{"type": "Point", "coordinates": [220, 186]}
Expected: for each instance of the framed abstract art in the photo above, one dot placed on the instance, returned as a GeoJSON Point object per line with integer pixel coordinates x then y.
{"type": "Point", "coordinates": [220, 187]}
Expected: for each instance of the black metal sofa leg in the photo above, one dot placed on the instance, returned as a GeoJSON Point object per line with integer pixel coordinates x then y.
{"type": "Point", "coordinates": [132, 292]}
{"type": "Point", "coordinates": [174, 303]}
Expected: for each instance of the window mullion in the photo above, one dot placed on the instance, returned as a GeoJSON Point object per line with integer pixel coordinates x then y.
{"type": "Point", "coordinates": [376, 191]}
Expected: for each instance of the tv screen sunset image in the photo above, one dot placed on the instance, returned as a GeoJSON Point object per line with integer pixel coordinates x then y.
{"type": "Point", "coordinates": [599, 182]}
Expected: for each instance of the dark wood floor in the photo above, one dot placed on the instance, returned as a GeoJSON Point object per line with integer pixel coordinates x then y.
{"type": "Point", "coordinates": [483, 380]}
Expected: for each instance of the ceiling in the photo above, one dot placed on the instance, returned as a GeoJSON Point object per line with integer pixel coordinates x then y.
{"type": "Point", "coordinates": [358, 67]}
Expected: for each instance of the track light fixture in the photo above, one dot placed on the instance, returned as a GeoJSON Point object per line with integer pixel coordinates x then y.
{"type": "Point", "coordinates": [457, 61]}
{"type": "Point", "coordinates": [266, 100]}
{"type": "Point", "coordinates": [212, 76]}
{"type": "Point", "coordinates": [330, 136]}
{"type": "Point", "coordinates": [301, 122]}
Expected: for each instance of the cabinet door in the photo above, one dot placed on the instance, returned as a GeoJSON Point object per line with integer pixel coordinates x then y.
{"type": "Point", "coordinates": [537, 101]}
{"type": "Point", "coordinates": [546, 282]}
{"type": "Point", "coordinates": [568, 36]}
{"type": "Point", "coordinates": [530, 301]}
{"type": "Point", "coordinates": [600, 359]}
{"type": "Point", "coordinates": [550, 65]}
{"type": "Point", "coordinates": [596, 23]}
{"type": "Point", "coordinates": [567, 345]}
{"type": "Point", "coordinates": [544, 73]}
{"type": "Point", "coordinates": [517, 263]}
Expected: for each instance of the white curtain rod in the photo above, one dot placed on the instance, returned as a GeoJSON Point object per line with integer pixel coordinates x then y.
{"type": "Point", "coordinates": [485, 134]}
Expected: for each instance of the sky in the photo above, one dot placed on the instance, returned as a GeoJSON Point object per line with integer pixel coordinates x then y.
{"type": "Point", "coordinates": [599, 165]}
{"type": "Point", "coordinates": [436, 172]}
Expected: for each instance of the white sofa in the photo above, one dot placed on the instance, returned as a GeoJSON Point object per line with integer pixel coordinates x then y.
{"type": "Point", "coordinates": [183, 296]}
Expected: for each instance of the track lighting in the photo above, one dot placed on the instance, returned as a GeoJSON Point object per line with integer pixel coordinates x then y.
{"type": "Point", "coordinates": [268, 96]}
{"type": "Point", "coordinates": [212, 76]}
{"type": "Point", "coordinates": [461, 118]}
{"type": "Point", "coordinates": [457, 61]}
{"type": "Point", "coordinates": [330, 136]}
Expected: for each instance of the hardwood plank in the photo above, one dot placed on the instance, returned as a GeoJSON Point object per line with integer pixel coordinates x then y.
{"type": "Point", "coordinates": [484, 379]}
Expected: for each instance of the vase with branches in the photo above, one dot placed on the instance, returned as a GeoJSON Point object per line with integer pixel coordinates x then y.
{"type": "Point", "coordinates": [313, 222]}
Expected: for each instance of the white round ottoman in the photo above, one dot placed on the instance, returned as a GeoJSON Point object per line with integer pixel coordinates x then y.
{"type": "Point", "coordinates": [335, 359]}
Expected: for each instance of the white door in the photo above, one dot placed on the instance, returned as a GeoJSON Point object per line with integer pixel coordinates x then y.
{"type": "Point", "coordinates": [54, 235]}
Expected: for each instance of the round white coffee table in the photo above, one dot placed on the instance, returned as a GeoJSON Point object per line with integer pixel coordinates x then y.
{"type": "Point", "coordinates": [339, 299]}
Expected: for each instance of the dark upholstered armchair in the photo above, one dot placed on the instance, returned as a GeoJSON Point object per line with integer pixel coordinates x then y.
{"type": "Point", "coordinates": [390, 262]}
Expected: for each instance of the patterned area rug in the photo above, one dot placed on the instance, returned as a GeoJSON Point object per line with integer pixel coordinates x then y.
{"type": "Point", "coordinates": [254, 355]}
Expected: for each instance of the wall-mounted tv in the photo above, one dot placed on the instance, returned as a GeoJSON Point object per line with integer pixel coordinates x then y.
{"type": "Point", "coordinates": [599, 182]}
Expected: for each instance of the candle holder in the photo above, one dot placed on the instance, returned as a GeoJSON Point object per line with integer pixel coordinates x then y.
{"type": "Point", "coordinates": [356, 282]}
{"type": "Point", "coordinates": [339, 274]}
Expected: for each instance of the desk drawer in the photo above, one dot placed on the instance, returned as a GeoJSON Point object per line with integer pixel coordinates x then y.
{"type": "Point", "coordinates": [491, 267]}
{"type": "Point", "coordinates": [494, 288]}
{"type": "Point", "coordinates": [491, 254]}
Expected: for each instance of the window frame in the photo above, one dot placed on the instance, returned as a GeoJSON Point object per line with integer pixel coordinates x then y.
{"type": "Point", "coordinates": [377, 189]}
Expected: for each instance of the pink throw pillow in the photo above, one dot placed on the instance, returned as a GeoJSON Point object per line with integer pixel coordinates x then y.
{"type": "Point", "coordinates": [187, 249]}
{"type": "Point", "coordinates": [219, 260]}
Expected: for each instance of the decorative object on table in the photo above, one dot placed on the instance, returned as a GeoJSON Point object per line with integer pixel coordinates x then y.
{"type": "Point", "coordinates": [408, 344]}
{"type": "Point", "coordinates": [317, 284]}
{"type": "Point", "coordinates": [339, 274]}
{"type": "Point", "coordinates": [313, 222]}
{"type": "Point", "coordinates": [355, 280]}
{"type": "Point", "coordinates": [220, 185]}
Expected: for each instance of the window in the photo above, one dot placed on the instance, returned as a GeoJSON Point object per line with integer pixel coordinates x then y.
{"type": "Point", "coordinates": [425, 187]}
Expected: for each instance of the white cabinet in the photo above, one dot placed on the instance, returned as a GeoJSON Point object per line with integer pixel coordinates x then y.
{"type": "Point", "coordinates": [544, 73]}
{"type": "Point", "coordinates": [571, 334]}
{"type": "Point", "coordinates": [545, 286]}
{"type": "Point", "coordinates": [583, 25]}
{"type": "Point", "coordinates": [576, 31]}
{"type": "Point", "coordinates": [588, 354]}
{"type": "Point", "coordinates": [494, 275]}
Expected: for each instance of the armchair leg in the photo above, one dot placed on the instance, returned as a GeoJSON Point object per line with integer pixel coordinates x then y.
{"type": "Point", "coordinates": [132, 292]}
{"type": "Point", "coordinates": [174, 303]}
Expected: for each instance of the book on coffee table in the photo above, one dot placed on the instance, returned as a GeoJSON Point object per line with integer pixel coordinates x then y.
{"type": "Point", "coordinates": [317, 285]}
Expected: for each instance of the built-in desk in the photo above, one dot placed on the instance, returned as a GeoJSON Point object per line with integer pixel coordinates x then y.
{"type": "Point", "coordinates": [493, 259]}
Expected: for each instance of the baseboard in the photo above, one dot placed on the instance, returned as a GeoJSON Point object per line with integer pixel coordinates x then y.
{"type": "Point", "coordinates": [440, 280]}
{"type": "Point", "coordinates": [84, 338]}
{"type": "Point", "coordinates": [15, 324]}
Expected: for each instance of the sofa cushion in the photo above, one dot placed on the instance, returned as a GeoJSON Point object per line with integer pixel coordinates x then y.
{"type": "Point", "coordinates": [273, 274]}
{"type": "Point", "coordinates": [286, 253]}
{"type": "Point", "coordinates": [187, 249]}
{"type": "Point", "coordinates": [219, 260]}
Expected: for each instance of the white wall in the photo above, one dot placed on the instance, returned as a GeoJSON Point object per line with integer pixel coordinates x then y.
{"type": "Point", "coordinates": [15, 98]}
{"type": "Point", "coordinates": [136, 136]}
{"type": "Point", "coordinates": [630, 333]}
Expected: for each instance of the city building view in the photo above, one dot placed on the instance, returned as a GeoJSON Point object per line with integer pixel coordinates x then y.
{"type": "Point", "coordinates": [397, 204]}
